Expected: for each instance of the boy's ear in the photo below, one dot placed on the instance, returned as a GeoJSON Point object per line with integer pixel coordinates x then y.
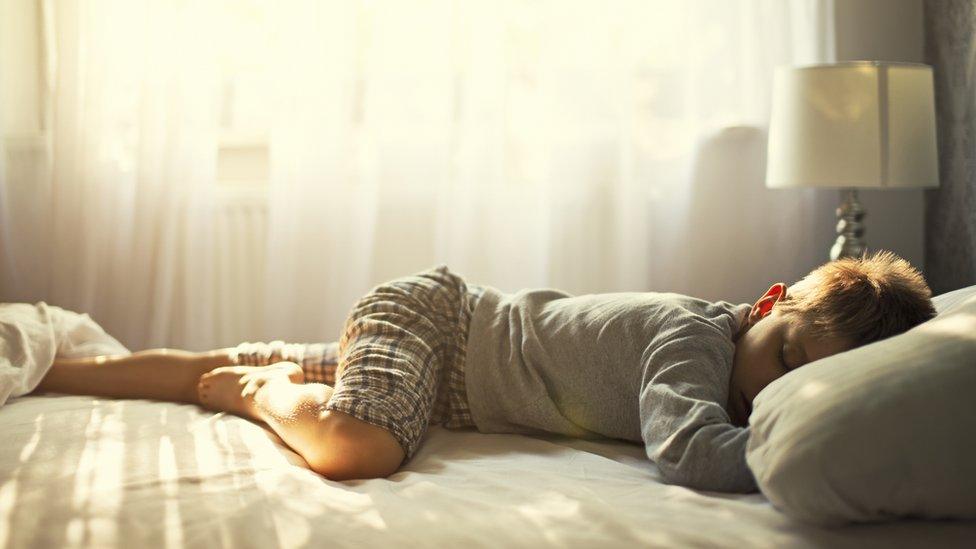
{"type": "Point", "coordinates": [764, 306]}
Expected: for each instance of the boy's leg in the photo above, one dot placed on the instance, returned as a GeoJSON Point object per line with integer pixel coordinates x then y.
{"type": "Point", "coordinates": [158, 374]}
{"type": "Point", "coordinates": [319, 361]}
{"type": "Point", "coordinates": [336, 445]}
{"type": "Point", "coordinates": [394, 342]}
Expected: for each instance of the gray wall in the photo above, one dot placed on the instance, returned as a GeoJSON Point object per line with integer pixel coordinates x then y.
{"type": "Point", "coordinates": [886, 30]}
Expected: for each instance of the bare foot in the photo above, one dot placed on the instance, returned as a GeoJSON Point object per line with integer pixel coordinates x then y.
{"type": "Point", "coordinates": [231, 388]}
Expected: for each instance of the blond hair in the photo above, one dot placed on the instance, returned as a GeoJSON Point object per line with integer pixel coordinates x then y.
{"type": "Point", "coordinates": [862, 299]}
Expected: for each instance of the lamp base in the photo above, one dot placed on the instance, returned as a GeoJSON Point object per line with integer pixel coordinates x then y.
{"type": "Point", "coordinates": [850, 230]}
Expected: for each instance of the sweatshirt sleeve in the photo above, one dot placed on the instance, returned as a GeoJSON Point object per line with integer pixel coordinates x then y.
{"type": "Point", "coordinates": [686, 431]}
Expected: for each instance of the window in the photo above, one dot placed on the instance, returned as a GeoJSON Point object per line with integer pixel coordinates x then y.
{"type": "Point", "coordinates": [243, 33]}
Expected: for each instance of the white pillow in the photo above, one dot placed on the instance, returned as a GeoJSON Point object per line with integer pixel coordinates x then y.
{"type": "Point", "coordinates": [884, 431]}
{"type": "Point", "coordinates": [947, 302]}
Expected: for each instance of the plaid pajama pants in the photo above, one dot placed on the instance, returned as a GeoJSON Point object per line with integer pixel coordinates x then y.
{"type": "Point", "coordinates": [399, 363]}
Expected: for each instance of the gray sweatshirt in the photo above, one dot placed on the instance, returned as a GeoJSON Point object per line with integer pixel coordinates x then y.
{"type": "Point", "coordinates": [639, 366]}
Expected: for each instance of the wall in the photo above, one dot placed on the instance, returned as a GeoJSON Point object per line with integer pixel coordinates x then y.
{"type": "Point", "coordinates": [886, 30]}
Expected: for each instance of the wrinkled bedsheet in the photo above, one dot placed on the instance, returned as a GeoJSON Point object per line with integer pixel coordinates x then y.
{"type": "Point", "coordinates": [82, 471]}
{"type": "Point", "coordinates": [32, 334]}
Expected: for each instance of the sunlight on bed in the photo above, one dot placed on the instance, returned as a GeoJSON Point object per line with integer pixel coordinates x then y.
{"type": "Point", "coordinates": [277, 467]}
{"type": "Point", "coordinates": [169, 484]}
{"type": "Point", "coordinates": [549, 512]}
{"type": "Point", "coordinates": [98, 478]}
{"type": "Point", "coordinates": [208, 437]}
{"type": "Point", "coordinates": [103, 473]}
{"type": "Point", "coordinates": [8, 495]}
{"type": "Point", "coordinates": [264, 458]}
{"type": "Point", "coordinates": [274, 473]}
{"type": "Point", "coordinates": [28, 450]}
{"type": "Point", "coordinates": [8, 490]}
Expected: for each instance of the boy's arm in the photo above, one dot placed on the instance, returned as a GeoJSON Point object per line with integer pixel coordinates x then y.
{"type": "Point", "coordinates": [687, 432]}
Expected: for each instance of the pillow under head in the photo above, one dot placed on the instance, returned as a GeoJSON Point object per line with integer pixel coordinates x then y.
{"type": "Point", "coordinates": [883, 431]}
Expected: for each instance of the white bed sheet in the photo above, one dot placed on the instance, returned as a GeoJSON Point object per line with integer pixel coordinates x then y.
{"type": "Point", "coordinates": [82, 471]}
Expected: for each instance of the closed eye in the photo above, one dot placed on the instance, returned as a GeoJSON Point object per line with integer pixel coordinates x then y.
{"type": "Point", "coordinates": [782, 357]}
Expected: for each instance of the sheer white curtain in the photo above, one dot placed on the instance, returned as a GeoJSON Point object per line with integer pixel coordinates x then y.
{"type": "Point", "coordinates": [110, 214]}
{"type": "Point", "coordinates": [590, 146]}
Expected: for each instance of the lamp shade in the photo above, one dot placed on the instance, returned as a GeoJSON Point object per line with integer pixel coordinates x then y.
{"type": "Point", "coordinates": [858, 124]}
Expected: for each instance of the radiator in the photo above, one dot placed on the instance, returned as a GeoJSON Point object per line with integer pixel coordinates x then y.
{"type": "Point", "coordinates": [241, 229]}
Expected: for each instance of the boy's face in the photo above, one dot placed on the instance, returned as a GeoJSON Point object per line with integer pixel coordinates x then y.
{"type": "Point", "coordinates": [769, 346]}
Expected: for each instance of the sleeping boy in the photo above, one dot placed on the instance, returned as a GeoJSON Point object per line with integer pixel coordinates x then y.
{"type": "Point", "coordinates": [672, 372]}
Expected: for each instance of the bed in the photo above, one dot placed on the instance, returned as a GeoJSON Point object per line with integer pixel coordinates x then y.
{"type": "Point", "coordinates": [83, 471]}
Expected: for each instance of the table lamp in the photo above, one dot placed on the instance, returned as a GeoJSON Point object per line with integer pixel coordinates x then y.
{"type": "Point", "coordinates": [852, 125]}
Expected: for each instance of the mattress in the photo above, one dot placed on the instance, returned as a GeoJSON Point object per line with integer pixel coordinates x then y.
{"type": "Point", "coordinates": [83, 471]}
